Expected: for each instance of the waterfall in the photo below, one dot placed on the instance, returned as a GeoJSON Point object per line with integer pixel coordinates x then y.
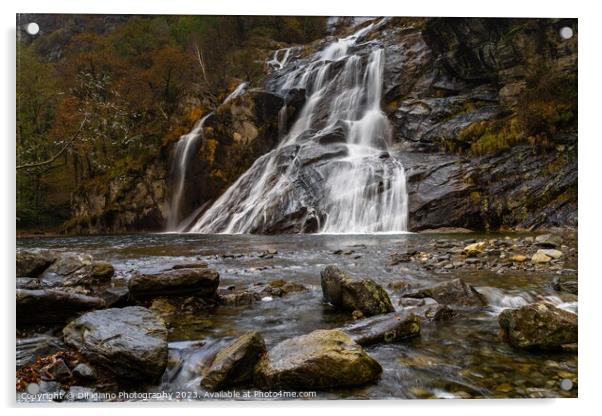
{"type": "Point", "coordinates": [182, 155]}
{"type": "Point", "coordinates": [363, 188]}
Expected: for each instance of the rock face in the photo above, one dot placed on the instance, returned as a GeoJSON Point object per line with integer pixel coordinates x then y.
{"type": "Point", "coordinates": [455, 292]}
{"type": "Point", "coordinates": [235, 364]}
{"type": "Point", "coordinates": [538, 326]}
{"type": "Point", "coordinates": [130, 342]}
{"type": "Point", "coordinates": [134, 202]}
{"type": "Point", "coordinates": [198, 282]}
{"type": "Point", "coordinates": [320, 360]}
{"type": "Point", "coordinates": [234, 136]}
{"type": "Point", "coordinates": [391, 327]}
{"type": "Point", "coordinates": [52, 306]}
{"type": "Point", "coordinates": [457, 92]}
{"type": "Point", "coordinates": [350, 294]}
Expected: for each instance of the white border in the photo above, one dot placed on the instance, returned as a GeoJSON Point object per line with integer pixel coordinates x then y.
{"type": "Point", "coordinates": [590, 150]}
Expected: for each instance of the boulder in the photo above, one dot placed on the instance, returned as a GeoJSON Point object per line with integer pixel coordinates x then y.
{"type": "Point", "coordinates": [70, 270]}
{"type": "Point", "coordinates": [130, 342]}
{"type": "Point", "coordinates": [198, 282]}
{"type": "Point", "coordinates": [538, 326]}
{"type": "Point", "coordinates": [350, 294]}
{"type": "Point", "coordinates": [320, 360]}
{"type": "Point", "coordinates": [390, 327]}
{"type": "Point", "coordinates": [234, 364]}
{"type": "Point", "coordinates": [548, 241]}
{"type": "Point", "coordinates": [33, 263]}
{"type": "Point", "coordinates": [51, 306]}
{"type": "Point", "coordinates": [454, 292]}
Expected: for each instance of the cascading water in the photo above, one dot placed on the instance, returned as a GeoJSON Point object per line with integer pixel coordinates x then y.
{"type": "Point", "coordinates": [362, 188]}
{"type": "Point", "coordinates": [182, 156]}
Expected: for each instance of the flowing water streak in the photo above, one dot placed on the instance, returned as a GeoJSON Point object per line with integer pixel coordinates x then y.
{"type": "Point", "coordinates": [182, 156]}
{"type": "Point", "coordinates": [365, 190]}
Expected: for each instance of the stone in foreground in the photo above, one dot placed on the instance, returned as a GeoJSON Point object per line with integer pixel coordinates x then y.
{"type": "Point", "coordinates": [391, 327]}
{"type": "Point", "coordinates": [33, 263]}
{"type": "Point", "coordinates": [234, 364]}
{"type": "Point", "coordinates": [50, 306]}
{"type": "Point", "coordinates": [454, 292]}
{"type": "Point", "coordinates": [180, 282]}
{"type": "Point", "coordinates": [130, 342]}
{"type": "Point", "coordinates": [538, 326]}
{"type": "Point", "coordinates": [320, 360]}
{"type": "Point", "coordinates": [346, 293]}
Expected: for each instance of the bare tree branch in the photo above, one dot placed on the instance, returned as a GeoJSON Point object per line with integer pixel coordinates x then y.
{"type": "Point", "coordinates": [59, 153]}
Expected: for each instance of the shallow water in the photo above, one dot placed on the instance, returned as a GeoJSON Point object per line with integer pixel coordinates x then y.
{"type": "Point", "coordinates": [460, 358]}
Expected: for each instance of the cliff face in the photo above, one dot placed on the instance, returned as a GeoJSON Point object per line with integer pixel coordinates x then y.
{"type": "Point", "coordinates": [483, 116]}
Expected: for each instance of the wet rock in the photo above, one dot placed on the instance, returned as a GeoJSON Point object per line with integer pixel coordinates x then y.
{"type": "Point", "coordinates": [198, 282]}
{"type": "Point", "coordinates": [49, 306]}
{"type": "Point", "coordinates": [566, 283]}
{"type": "Point", "coordinates": [400, 285]}
{"type": "Point", "coordinates": [346, 293]}
{"type": "Point", "coordinates": [548, 241]}
{"type": "Point", "coordinates": [199, 265]}
{"type": "Point", "coordinates": [71, 270]}
{"type": "Point", "coordinates": [84, 372]}
{"type": "Point", "coordinates": [454, 292]}
{"type": "Point", "coordinates": [116, 297]}
{"type": "Point", "coordinates": [281, 287]}
{"type": "Point", "coordinates": [320, 360]}
{"type": "Point", "coordinates": [29, 349]}
{"type": "Point", "coordinates": [475, 249]}
{"type": "Point", "coordinates": [234, 364]}
{"type": "Point", "coordinates": [130, 342]}
{"type": "Point", "coordinates": [550, 252]}
{"type": "Point", "coordinates": [28, 283]}
{"type": "Point", "coordinates": [387, 328]}
{"type": "Point", "coordinates": [538, 326]}
{"type": "Point", "coordinates": [33, 263]}
{"type": "Point", "coordinates": [539, 258]}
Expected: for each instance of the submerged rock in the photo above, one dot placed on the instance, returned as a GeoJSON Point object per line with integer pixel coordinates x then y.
{"type": "Point", "coordinates": [51, 306]}
{"type": "Point", "coordinates": [346, 293]}
{"type": "Point", "coordinates": [322, 359]}
{"type": "Point", "coordinates": [198, 282]}
{"type": "Point", "coordinates": [130, 342]}
{"type": "Point", "coordinates": [538, 326]}
{"type": "Point", "coordinates": [566, 283]}
{"type": "Point", "coordinates": [234, 364]}
{"type": "Point", "coordinates": [454, 292]}
{"type": "Point", "coordinates": [391, 327]}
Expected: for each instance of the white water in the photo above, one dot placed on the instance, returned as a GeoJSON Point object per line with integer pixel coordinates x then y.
{"type": "Point", "coordinates": [365, 189]}
{"type": "Point", "coordinates": [182, 156]}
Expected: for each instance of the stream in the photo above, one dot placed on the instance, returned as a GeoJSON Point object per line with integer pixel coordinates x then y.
{"type": "Point", "coordinates": [460, 358]}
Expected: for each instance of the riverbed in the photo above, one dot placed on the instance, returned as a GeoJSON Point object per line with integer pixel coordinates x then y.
{"type": "Point", "coordinates": [459, 358]}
